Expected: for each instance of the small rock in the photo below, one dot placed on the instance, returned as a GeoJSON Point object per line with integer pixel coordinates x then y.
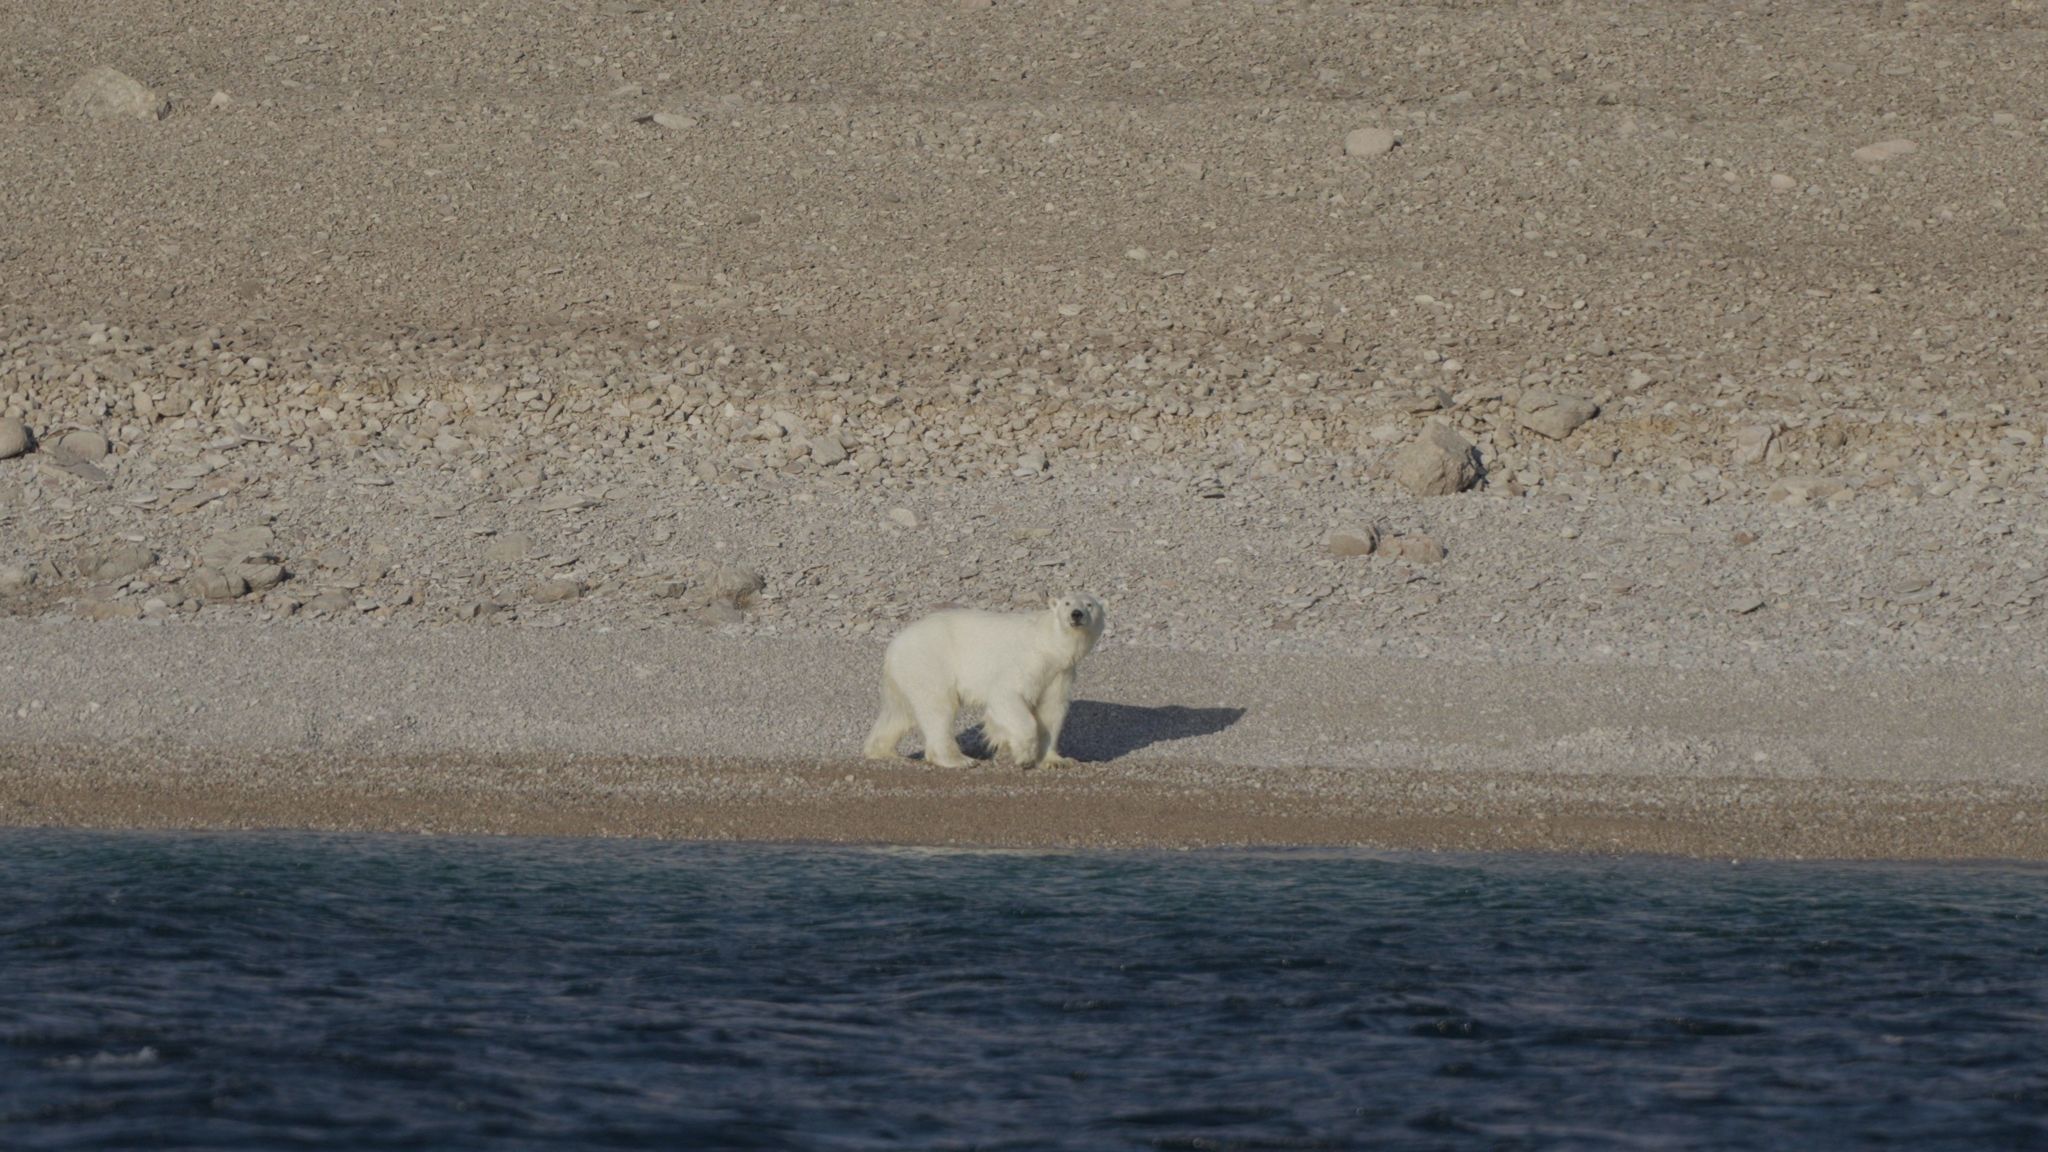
{"type": "Point", "coordinates": [214, 584]}
{"type": "Point", "coordinates": [674, 121]}
{"type": "Point", "coordinates": [115, 561]}
{"type": "Point", "coordinates": [332, 558]}
{"type": "Point", "coordinates": [15, 580]}
{"type": "Point", "coordinates": [718, 613]}
{"type": "Point", "coordinates": [227, 550]}
{"type": "Point", "coordinates": [262, 577]}
{"type": "Point", "coordinates": [1782, 182]}
{"type": "Point", "coordinates": [14, 438]}
{"type": "Point", "coordinates": [192, 502]}
{"type": "Point", "coordinates": [82, 470]}
{"type": "Point", "coordinates": [1352, 541]}
{"type": "Point", "coordinates": [569, 502]}
{"type": "Point", "coordinates": [1884, 150]}
{"type": "Point", "coordinates": [1797, 491]}
{"type": "Point", "coordinates": [1553, 415]}
{"type": "Point", "coordinates": [1430, 400]}
{"type": "Point", "coordinates": [509, 548]}
{"type": "Point", "coordinates": [220, 100]}
{"type": "Point", "coordinates": [827, 451]}
{"type": "Point", "coordinates": [1753, 443]}
{"type": "Point", "coordinates": [736, 586]}
{"type": "Point", "coordinates": [107, 610]}
{"type": "Point", "coordinates": [1439, 462]}
{"type": "Point", "coordinates": [1915, 591]}
{"type": "Point", "coordinates": [82, 445]}
{"type": "Point", "coordinates": [1416, 549]}
{"type": "Point", "coordinates": [105, 92]}
{"type": "Point", "coordinates": [1743, 606]}
{"type": "Point", "coordinates": [331, 602]}
{"type": "Point", "coordinates": [903, 517]}
{"type": "Point", "coordinates": [1743, 538]}
{"type": "Point", "coordinates": [556, 591]}
{"type": "Point", "coordinates": [1368, 142]}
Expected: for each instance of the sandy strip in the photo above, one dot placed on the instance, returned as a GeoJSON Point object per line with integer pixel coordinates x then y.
{"type": "Point", "coordinates": [839, 803]}
{"type": "Point", "coordinates": [691, 734]}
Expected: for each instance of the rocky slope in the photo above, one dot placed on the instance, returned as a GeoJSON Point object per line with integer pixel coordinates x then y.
{"type": "Point", "coordinates": [806, 318]}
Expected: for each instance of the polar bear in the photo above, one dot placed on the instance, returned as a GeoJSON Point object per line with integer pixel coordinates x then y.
{"type": "Point", "coordinates": [1017, 667]}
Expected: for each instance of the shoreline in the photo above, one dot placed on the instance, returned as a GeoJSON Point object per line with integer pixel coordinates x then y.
{"type": "Point", "coordinates": [873, 806]}
{"type": "Point", "coordinates": [717, 736]}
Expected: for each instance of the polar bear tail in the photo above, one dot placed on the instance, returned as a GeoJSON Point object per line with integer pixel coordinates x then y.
{"type": "Point", "coordinates": [891, 726]}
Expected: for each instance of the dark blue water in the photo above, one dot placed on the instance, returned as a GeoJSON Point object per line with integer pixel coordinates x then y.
{"type": "Point", "coordinates": [382, 992]}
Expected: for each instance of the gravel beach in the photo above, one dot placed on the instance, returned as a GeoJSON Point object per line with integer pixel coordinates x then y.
{"type": "Point", "coordinates": [1617, 428]}
{"type": "Point", "coordinates": [667, 732]}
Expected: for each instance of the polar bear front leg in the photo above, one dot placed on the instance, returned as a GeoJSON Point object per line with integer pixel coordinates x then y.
{"type": "Point", "coordinates": [1014, 731]}
{"type": "Point", "coordinates": [935, 721]}
{"type": "Point", "coordinates": [1052, 716]}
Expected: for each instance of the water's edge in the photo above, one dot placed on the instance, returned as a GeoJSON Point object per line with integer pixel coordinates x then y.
{"type": "Point", "coordinates": [1151, 804]}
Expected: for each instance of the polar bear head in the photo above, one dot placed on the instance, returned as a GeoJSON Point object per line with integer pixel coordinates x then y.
{"type": "Point", "coordinates": [1080, 612]}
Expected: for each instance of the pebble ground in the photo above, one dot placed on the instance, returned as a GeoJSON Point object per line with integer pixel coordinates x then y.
{"type": "Point", "coordinates": [788, 322]}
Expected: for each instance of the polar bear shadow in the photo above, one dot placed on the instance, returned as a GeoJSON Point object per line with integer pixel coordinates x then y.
{"type": "Point", "coordinates": [1101, 730]}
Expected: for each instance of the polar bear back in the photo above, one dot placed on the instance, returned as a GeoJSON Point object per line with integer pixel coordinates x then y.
{"type": "Point", "coordinates": [977, 656]}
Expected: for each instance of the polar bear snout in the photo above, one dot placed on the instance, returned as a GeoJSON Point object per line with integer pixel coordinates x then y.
{"type": "Point", "coordinates": [1078, 616]}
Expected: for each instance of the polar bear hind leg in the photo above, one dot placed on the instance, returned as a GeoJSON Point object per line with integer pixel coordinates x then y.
{"type": "Point", "coordinates": [892, 725]}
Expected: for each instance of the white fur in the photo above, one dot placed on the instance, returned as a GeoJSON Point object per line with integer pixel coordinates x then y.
{"type": "Point", "coordinates": [1017, 667]}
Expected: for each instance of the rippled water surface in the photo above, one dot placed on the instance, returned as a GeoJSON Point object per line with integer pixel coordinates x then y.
{"type": "Point", "coordinates": [374, 992]}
